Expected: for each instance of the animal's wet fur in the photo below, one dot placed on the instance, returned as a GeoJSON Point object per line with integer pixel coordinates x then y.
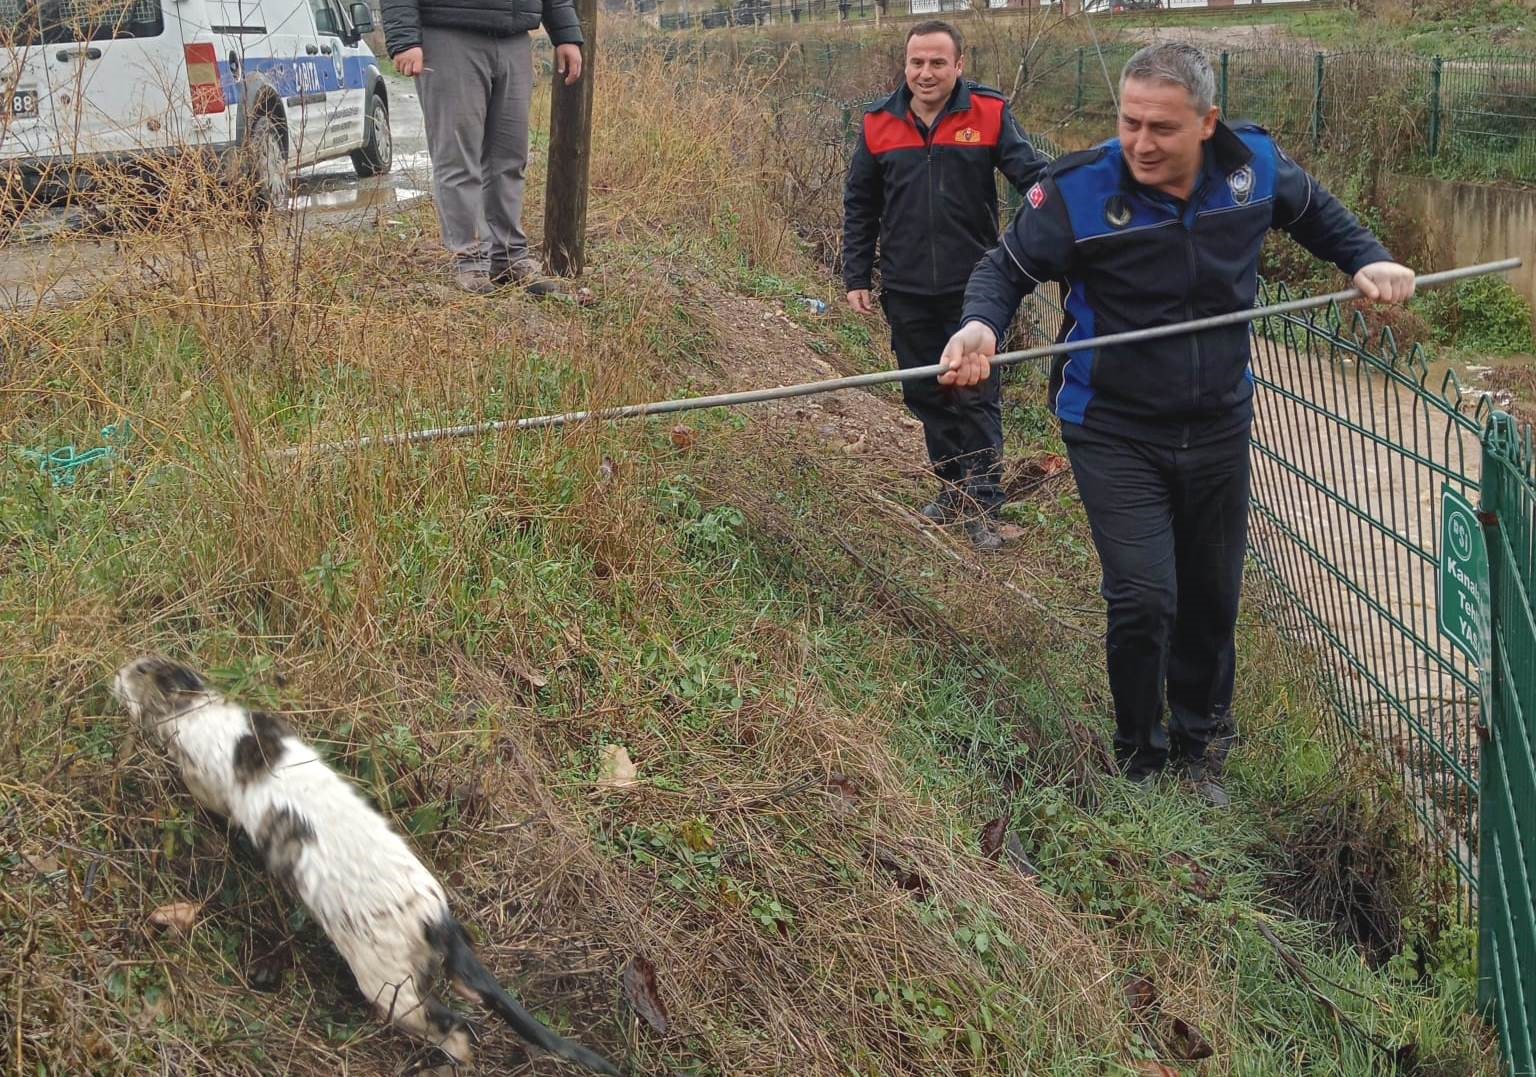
{"type": "Point", "coordinates": [257, 750]}
{"type": "Point", "coordinates": [377, 902]}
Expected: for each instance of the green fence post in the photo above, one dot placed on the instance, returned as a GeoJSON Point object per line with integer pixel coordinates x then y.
{"type": "Point", "coordinates": [1317, 103]}
{"type": "Point", "coordinates": [1077, 105]}
{"type": "Point", "coordinates": [1222, 88]}
{"type": "Point", "coordinates": [1434, 106]}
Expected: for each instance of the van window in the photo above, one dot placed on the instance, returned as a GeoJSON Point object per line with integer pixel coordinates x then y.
{"type": "Point", "coordinates": [30, 22]}
{"type": "Point", "coordinates": [326, 19]}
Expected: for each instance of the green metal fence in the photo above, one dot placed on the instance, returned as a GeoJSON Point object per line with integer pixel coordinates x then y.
{"type": "Point", "coordinates": [1352, 445]}
{"type": "Point", "coordinates": [1473, 116]}
{"type": "Point", "coordinates": [1507, 959]}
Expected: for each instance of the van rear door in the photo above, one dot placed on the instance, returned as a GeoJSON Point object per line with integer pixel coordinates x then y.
{"type": "Point", "coordinates": [109, 76]}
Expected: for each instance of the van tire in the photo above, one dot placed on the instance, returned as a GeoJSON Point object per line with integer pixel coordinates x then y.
{"type": "Point", "coordinates": [263, 164]}
{"type": "Point", "coordinates": [378, 153]}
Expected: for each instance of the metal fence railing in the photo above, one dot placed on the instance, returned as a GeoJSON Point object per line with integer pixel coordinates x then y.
{"type": "Point", "coordinates": [711, 14]}
{"type": "Point", "coordinates": [1352, 445]}
{"type": "Point", "coordinates": [1473, 117]}
{"type": "Point", "coordinates": [1507, 873]}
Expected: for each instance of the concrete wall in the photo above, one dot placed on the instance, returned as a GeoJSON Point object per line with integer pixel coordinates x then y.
{"type": "Point", "coordinates": [1476, 222]}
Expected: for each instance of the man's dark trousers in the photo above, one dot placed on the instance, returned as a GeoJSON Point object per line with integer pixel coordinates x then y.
{"type": "Point", "coordinates": [1171, 528]}
{"type": "Point", "coordinates": [963, 427]}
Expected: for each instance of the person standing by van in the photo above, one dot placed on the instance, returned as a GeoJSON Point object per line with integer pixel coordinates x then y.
{"type": "Point", "coordinates": [473, 65]}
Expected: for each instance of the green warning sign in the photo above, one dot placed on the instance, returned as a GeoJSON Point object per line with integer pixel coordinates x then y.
{"type": "Point", "coordinates": [1464, 594]}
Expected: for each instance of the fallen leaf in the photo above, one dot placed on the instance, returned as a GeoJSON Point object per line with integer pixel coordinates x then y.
{"type": "Point", "coordinates": [992, 838]}
{"type": "Point", "coordinates": [615, 770]}
{"type": "Point", "coordinates": [1140, 994]}
{"type": "Point", "coordinates": [532, 676]}
{"type": "Point", "coordinates": [46, 864]}
{"type": "Point", "coordinates": [1200, 879]}
{"type": "Point", "coordinates": [684, 436]}
{"type": "Point", "coordinates": [698, 835]}
{"type": "Point", "coordinates": [179, 916]}
{"type": "Point", "coordinates": [1018, 858]}
{"type": "Point", "coordinates": [1026, 476]}
{"type": "Point", "coordinates": [1188, 1043]}
{"type": "Point", "coordinates": [640, 990]}
{"type": "Point", "coordinates": [903, 876]}
{"type": "Point", "coordinates": [1046, 466]}
{"type": "Point", "coordinates": [847, 793]}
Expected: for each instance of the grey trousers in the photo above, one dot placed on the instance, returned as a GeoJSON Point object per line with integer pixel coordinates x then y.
{"type": "Point", "coordinates": [474, 98]}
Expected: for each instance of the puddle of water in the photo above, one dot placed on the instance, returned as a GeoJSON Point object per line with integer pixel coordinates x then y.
{"type": "Point", "coordinates": [356, 198]}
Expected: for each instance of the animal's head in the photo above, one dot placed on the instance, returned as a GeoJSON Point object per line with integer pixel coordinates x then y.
{"type": "Point", "coordinates": [156, 689]}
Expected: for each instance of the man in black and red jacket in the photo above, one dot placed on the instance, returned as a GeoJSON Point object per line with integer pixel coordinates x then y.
{"type": "Point", "coordinates": [921, 183]}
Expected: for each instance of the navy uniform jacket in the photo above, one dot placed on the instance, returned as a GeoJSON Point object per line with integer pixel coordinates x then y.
{"type": "Point", "coordinates": [1130, 257]}
{"type": "Point", "coordinates": [931, 201]}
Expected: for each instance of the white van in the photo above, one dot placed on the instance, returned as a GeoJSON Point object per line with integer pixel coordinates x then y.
{"type": "Point", "coordinates": [289, 83]}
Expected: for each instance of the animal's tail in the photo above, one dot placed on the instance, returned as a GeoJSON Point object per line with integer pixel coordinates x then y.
{"type": "Point", "coordinates": [474, 981]}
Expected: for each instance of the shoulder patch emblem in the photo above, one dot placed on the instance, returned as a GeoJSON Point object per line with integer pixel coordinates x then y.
{"type": "Point", "coordinates": [1035, 196]}
{"type": "Point", "coordinates": [968, 135]}
{"type": "Point", "coordinates": [1116, 212]}
{"type": "Point", "coordinates": [1240, 183]}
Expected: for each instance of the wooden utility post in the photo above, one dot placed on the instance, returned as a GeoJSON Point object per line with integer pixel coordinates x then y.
{"type": "Point", "coordinates": [570, 154]}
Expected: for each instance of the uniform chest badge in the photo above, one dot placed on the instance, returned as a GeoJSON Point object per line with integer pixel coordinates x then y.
{"type": "Point", "coordinates": [1240, 183]}
{"type": "Point", "coordinates": [1117, 212]}
{"type": "Point", "coordinates": [968, 135]}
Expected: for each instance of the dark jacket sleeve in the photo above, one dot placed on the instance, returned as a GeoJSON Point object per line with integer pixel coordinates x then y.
{"type": "Point", "coordinates": [1319, 221]}
{"type": "Point", "coordinates": [561, 23]}
{"type": "Point", "coordinates": [863, 201]}
{"type": "Point", "coordinates": [1037, 247]}
{"type": "Point", "coordinates": [402, 25]}
{"type": "Point", "coordinates": [1016, 158]}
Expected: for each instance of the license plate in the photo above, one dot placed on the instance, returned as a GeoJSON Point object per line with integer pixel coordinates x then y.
{"type": "Point", "coordinates": [23, 104]}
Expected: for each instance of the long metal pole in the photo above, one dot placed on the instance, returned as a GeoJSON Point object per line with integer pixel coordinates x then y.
{"type": "Point", "coordinates": [832, 385]}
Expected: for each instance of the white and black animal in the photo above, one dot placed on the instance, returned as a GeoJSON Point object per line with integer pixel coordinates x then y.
{"type": "Point", "coordinates": [377, 902]}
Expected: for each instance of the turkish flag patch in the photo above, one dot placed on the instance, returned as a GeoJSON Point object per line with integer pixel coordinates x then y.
{"type": "Point", "coordinates": [1035, 197]}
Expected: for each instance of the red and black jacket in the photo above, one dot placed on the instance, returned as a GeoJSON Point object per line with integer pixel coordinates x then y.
{"type": "Point", "coordinates": [931, 201]}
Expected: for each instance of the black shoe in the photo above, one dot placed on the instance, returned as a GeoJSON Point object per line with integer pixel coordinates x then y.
{"type": "Point", "coordinates": [474, 281]}
{"type": "Point", "coordinates": [526, 274]}
{"type": "Point", "coordinates": [1198, 774]}
{"type": "Point", "coordinates": [944, 509]}
{"type": "Point", "coordinates": [983, 535]}
{"type": "Point", "coordinates": [1217, 754]}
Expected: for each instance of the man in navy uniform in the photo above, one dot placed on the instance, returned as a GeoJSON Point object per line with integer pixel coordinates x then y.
{"type": "Point", "coordinates": [1163, 225]}
{"type": "Point", "coordinates": [921, 182]}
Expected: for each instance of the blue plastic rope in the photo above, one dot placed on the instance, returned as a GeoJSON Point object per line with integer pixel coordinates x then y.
{"type": "Point", "coordinates": [62, 466]}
